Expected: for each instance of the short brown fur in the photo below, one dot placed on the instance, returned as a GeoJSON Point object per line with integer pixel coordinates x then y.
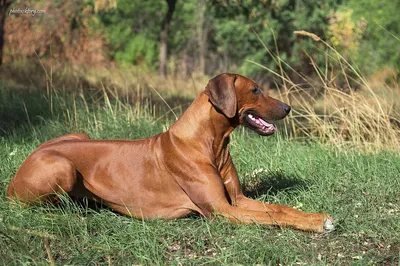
{"type": "Point", "coordinates": [186, 169]}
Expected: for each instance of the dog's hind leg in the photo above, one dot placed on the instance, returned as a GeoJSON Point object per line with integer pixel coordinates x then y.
{"type": "Point", "coordinates": [43, 175]}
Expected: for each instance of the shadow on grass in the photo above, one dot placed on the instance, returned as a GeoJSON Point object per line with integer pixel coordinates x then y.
{"type": "Point", "coordinates": [272, 183]}
{"type": "Point", "coordinates": [22, 109]}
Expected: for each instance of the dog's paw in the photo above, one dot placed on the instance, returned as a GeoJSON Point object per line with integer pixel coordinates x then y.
{"type": "Point", "coordinates": [328, 225]}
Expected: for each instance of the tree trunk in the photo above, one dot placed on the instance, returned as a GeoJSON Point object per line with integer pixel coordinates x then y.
{"type": "Point", "coordinates": [164, 38]}
{"type": "Point", "coordinates": [4, 4]}
{"type": "Point", "coordinates": [202, 36]}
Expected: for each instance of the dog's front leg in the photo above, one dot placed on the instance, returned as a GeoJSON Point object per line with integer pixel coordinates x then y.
{"type": "Point", "coordinates": [206, 190]}
{"type": "Point", "coordinates": [314, 222]}
{"type": "Point", "coordinates": [238, 199]}
{"type": "Point", "coordinates": [234, 189]}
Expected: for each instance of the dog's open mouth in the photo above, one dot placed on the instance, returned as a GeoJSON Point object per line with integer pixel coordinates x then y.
{"type": "Point", "coordinates": [259, 125]}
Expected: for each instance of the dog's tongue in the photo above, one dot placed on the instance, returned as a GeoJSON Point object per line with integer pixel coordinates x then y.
{"type": "Point", "coordinates": [263, 125]}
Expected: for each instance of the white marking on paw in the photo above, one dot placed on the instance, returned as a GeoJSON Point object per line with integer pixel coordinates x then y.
{"type": "Point", "coordinates": [328, 225]}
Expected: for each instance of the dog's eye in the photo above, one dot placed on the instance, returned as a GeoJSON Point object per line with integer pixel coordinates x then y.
{"type": "Point", "coordinates": [256, 91]}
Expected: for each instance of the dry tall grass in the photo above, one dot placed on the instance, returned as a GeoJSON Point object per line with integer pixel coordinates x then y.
{"type": "Point", "coordinates": [354, 115]}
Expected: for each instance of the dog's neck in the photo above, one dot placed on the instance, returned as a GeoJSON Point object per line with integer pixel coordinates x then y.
{"type": "Point", "coordinates": [202, 120]}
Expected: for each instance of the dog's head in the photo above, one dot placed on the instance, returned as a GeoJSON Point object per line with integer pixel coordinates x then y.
{"type": "Point", "coordinates": [240, 98]}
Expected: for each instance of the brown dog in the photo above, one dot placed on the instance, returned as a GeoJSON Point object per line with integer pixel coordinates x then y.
{"type": "Point", "coordinates": [186, 169]}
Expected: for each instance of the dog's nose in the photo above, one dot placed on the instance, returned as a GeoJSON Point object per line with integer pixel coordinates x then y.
{"type": "Point", "coordinates": [287, 108]}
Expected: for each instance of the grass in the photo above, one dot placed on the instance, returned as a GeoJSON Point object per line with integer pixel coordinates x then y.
{"type": "Point", "coordinates": [361, 190]}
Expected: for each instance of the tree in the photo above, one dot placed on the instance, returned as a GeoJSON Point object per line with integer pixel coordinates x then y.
{"type": "Point", "coordinates": [202, 36]}
{"type": "Point", "coordinates": [164, 37]}
{"type": "Point", "coordinates": [240, 26]}
{"type": "Point", "coordinates": [132, 29]}
{"type": "Point", "coordinates": [379, 46]}
{"type": "Point", "coordinates": [4, 4]}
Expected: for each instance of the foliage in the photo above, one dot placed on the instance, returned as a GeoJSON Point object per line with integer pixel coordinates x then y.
{"type": "Point", "coordinates": [230, 32]}
{"type": "Point", "coordinates": [274, 23]}
{"type": "Point", "coordinates": [132, 29]}
{"type": "Point", "coordinates": [345, 33]}
{"type": "Point", "coordinates": [380, 44]}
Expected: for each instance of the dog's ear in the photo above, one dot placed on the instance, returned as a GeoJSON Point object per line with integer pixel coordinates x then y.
{"type": "Point", "coordinates": [221, 92]}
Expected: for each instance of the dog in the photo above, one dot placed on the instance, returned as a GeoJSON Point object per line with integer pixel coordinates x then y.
{"type": "Point", "coordinates": [184, 170]}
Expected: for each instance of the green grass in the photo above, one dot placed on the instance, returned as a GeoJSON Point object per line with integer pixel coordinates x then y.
{"type": "Point", "coordinates": [362, 191]}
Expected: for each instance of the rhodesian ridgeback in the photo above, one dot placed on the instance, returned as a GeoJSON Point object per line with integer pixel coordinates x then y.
{"type": "Point", "coordinates": [186, 169]}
